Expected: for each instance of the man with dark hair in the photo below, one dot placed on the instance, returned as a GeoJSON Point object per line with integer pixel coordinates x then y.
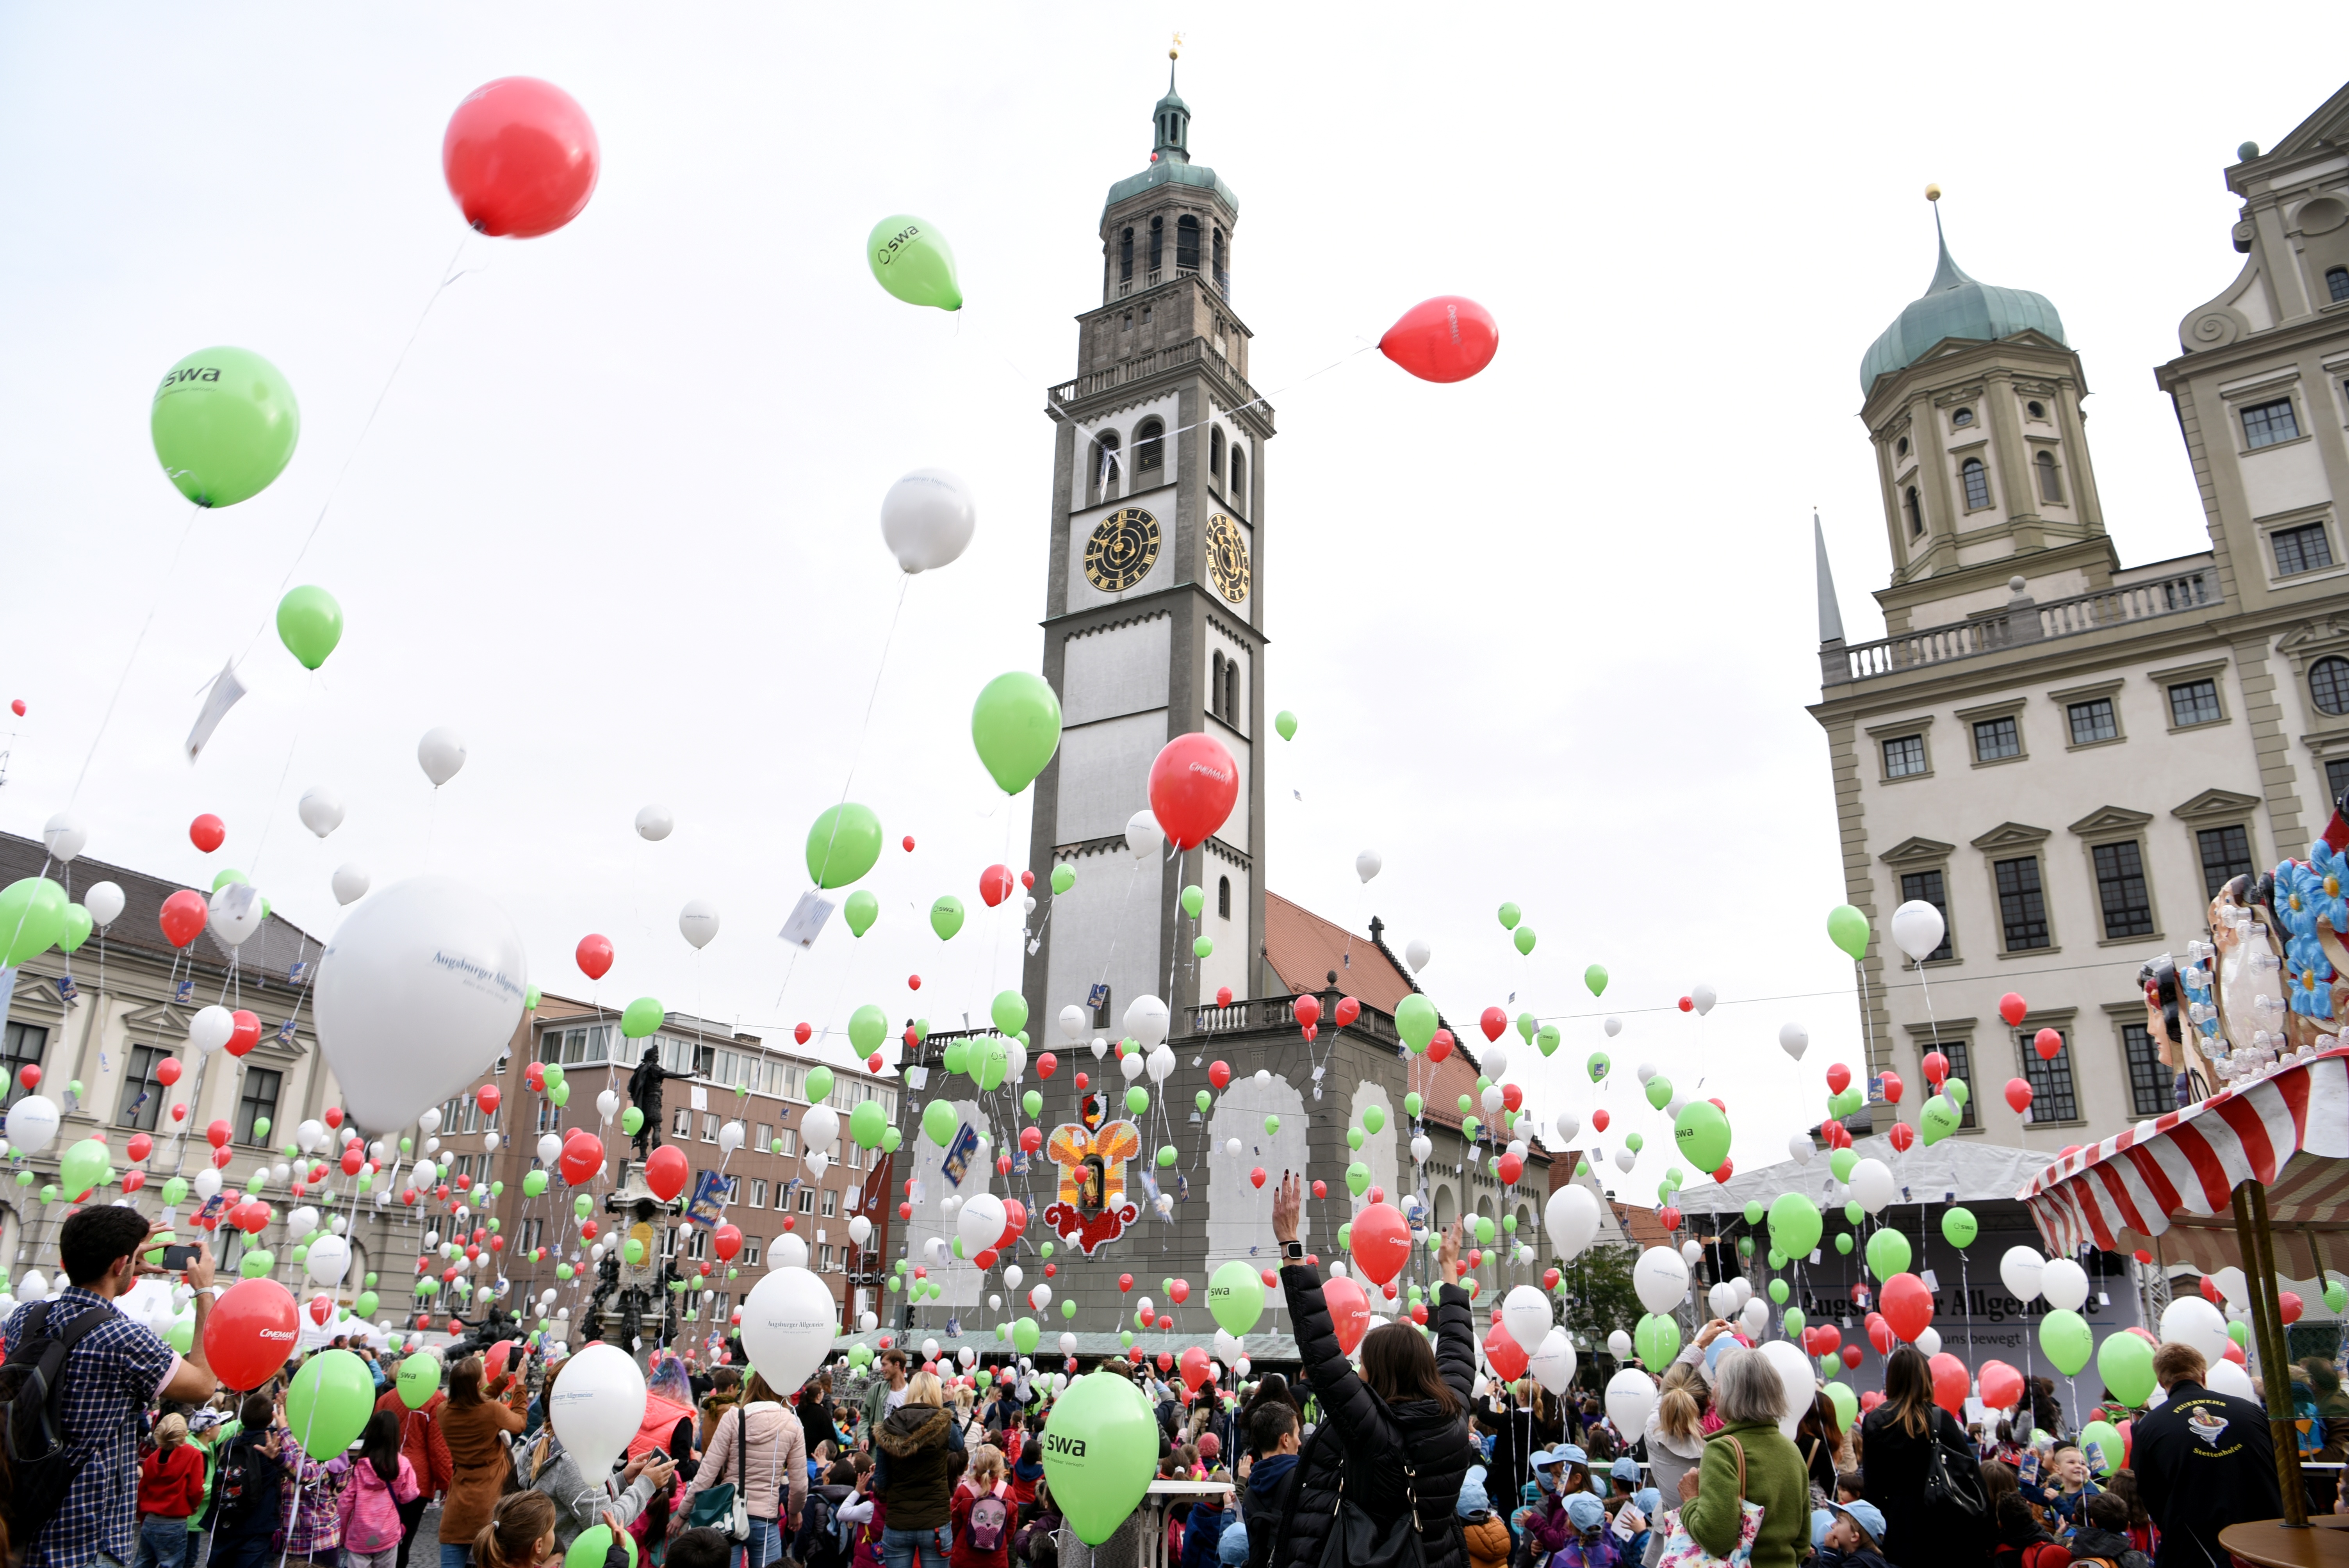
{"type": "Point", "coordinates": [2203, 1461]}
{"type": "Point", "coordinates": [886, 1392]}
{"type": "Point", "coordinates": [116, 1369]}
{"type": "Point", "coordinates": [1271, 1478]}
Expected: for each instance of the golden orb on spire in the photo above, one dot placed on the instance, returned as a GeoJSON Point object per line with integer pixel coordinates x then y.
{"type": "Point", "coordinates": [1933, 194]}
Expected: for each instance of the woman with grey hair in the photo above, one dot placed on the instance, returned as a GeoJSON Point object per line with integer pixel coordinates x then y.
{"type": "Point", "coordinates": [1749, 1459]}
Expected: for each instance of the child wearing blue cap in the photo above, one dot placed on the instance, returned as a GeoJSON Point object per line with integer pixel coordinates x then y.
{"type": "Point", "coordinates": [1486, 1533]}
{"type": "Point", "coordinates": [1852, 1537]}
{"type": "Point", "coordinates": [1589, 1543]}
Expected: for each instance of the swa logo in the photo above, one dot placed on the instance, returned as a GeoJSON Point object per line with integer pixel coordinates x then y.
{"type": "Point", "coordinates": [1072, 1448]}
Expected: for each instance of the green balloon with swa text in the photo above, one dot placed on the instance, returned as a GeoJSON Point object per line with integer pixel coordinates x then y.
{"type": "Point", "coordinates": [224, 424]}
{"type": "Point", "coordinates": [911, 259]}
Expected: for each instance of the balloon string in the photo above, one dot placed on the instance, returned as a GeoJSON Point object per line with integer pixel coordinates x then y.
{"type": "Point", "coordinates": [132, 659]}
{"type": "Point", "coordinates": [301, 713]}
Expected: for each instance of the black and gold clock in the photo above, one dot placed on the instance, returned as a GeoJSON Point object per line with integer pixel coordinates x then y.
{"type": "Point", "coordinates": [1228, 558]}
{"type": "Point", "coordinates": [1122, 549]}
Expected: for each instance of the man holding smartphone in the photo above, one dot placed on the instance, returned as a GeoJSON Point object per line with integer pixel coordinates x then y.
{"type": "Point", "coordinates": [116, 1369]}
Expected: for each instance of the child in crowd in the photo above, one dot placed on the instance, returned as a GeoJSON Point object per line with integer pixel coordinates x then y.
{"type": "Point", "coordinates": [2016, 1540]}
{"type": "Point", "coordinates": [2143, 1536]}
{"type": "Point", "coordinates": [2102, 1534]}
{"type": "Point", "coordinates": [1853, 1533]}
{"type": "Point", "coordinates": [1040, 1524]}
{"type": "Point", "coordinates": [1522, 1520]}
{"type": "Point", "coordinates": [2059, 1498]}
{"type": "Point", "coordinates": [1589, 1543]}
{"type": "Point", "coordinates": [982, 1514]}
{"type": "Point", "coordinates": [1202, 1532]}
{"type": "Point", "coordinates": [1847, 1485]}
{"type": "Point", "coordinates": [1486, 1532]}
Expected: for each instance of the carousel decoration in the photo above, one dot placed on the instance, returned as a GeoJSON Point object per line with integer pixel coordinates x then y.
{"type": "Point", "coordinates": [1092, 1209]}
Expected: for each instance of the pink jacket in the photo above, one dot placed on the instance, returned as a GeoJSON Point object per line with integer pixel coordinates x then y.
{"type": "Point", "coordinates": [370, 1510]}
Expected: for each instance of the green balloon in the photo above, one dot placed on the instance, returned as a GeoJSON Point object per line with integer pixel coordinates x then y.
{"type": "Point", "coordinates": [419, 1380]}
{"type": "Point", "coordinates": [2066, 1338]}
{"type": "Point", "coordinates": [1753, 1211]}
{"type": "Point", "coordinates": [1657, 1340]}
{"type": "Point", "coordinates": [1374, 1118]}
{"type": "Point", "coordinates": [2336, 1297]}
{"type": "Point", "coordinates": [1285, 722]}
{"type": "Point", "coordinates": [1026, 1336]}
{"type": "Point", "coordinates": [633, 1250]}
{"type": "Point", "coordinates": [1271, 1126]}
{"type": "Point", "coordinates": [1358, 1178]}
{"type": "Point", "coordinates": [175, 1190]}
{"type": "Point", "coordinates": [531, 1001]}
{"type": "Point", "coordinates": [32, 918]}
{"type": "Point", "coordinates": [890, 1138]}
{"type": "Point", "coordinates": [819, 1084]}
{"type": "Point", "coordinates": [1598, 1067]}
{"type": "Point", "coordinates": [956, 1058]}
{"type": "Point", "coordinates": [1936, 1120]}
{"type": "Point", "coordinates": [1068, 1308]}
{"type": "Point", "coordinates": [1778, 1291]}
{"type": "Point", "coordinates": [1841, 1162]}
{"type": "Point", "coordinates": [866, 1123]}
{"type": "Point", "coordinates": [1016, 726]}
{"type": "Point", "coordinates": [1959, 1228]}
{"type": "Point", "coordinates": [1595, 977]}
{"type": "Point", "coordinates": [1745, 1244]}
{"type": "Point", "coordinates": [1794, 1224]}
{"type": "Point", "coordinates": [1635, 1143]}
{"type": "Point", "coordinates": [1202, 945]}
{"type": "Point", "coordinates": [1064, 877]}
{"type": "Point", "coordinates": [945, 917]}
{"type": "Point", "coordinates": [632, 1122]}
{"type": "Point", "coordinates": [1794, 1322]}
{"type": "Point", "coordinates": [1166, 1155]}
{"type": "Point", "coordinates": [911, 259]}
{"type": "Point", "coordinates": [1101, 1451]}
{"type": "Point", "coordinates": [643, 1017]}
{"type": "Point", "coordinates": [1484, 1222]}
{"type": "Point", "coordinates": [533, 1182]}
{"type": "Point", "coordinates": [1956, 1089]}
{"type": "Point", "coordinates": [1353, 1138]}
{"type": "Point", "coordinates": [82, 1166]}
{"type": "Point", "coordinates": [1848, 929]}
{"type": "Point", "coordinates": [867, 1027]}
{"type": "Point", "coordinates": [1889, 1253]}
{"type": "Point", "coordinates": [1510, 915]}
{"type": "Point", "coordinates": [582, 1205]}
{"type": "Point", "coordinates": [861, 910]}
{"type": "Point", "coordinates": [77, 928]}
{"type": "Point", "coordinates": [1523, 938]}
{"type": "Point", "coordinates": [1659, 1090]}
{"type": "Point", "coordinates": [224, 424]}
{"type": "Point", "coordinates": [990, 1063]}
{"type": "Point", "coordinates": [309, 623]}
{"type": "Point", "coordinates": [1032, 1102]}
{"type": "Point", "coordinates": [1416, 1021]}
{"type": "Point", "coordinates": [843, 845]}
{"type": "Point", "coordinates": [1194, 898]}
{"type": "Point", "coordinates": [256, 1263]}
{"type": "Point", "coordinates": [1202, 1099]}
{"type": "Point", "coordinates": [1545, 1039]}
{"type": "Point", "coordinates": [939, 1122]}
{"type": "Point", "coordinates": [1843, 1243]}
{"type": "Point", "coordinates": [1137, 1100]}
{"type": "Point", "coordinates": [554, 1074]}
{"type": "Point", "coordinates": [1412, 1105]}
{"type": "Point", "coordinates": [2125, 1362]}
{"type": "Point", "coordinates": [1846, 1404]}
{"type": "Point", "coordinates": [260, 1129]}
{"type": "Point", "coordinates": [1236, 1296]}
{"type": "Point", "coordinates": [329, 1402]}
{"type": "Point", "coordinates": [592, 1545]}
{"type": "Point", "coordinates": [1842, 1105]}
{"type": "Point", "coordinates": [1009, 1012]}
{"type": "Point", "coordinates": [1853, 1213]}
{"type": "Point", "coordinates": [2105, 1438]}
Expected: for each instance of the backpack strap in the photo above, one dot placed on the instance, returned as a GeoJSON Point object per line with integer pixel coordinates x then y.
{"type": "Point", "coordinates": [1739, 1449]}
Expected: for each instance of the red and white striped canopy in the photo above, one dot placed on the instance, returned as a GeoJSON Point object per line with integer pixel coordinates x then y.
{"type": "Point", "coordinates": [2167, 1187]}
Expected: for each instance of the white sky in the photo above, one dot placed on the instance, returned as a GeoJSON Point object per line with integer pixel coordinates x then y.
{"type": "Point", "coordinates": [1550, 632]}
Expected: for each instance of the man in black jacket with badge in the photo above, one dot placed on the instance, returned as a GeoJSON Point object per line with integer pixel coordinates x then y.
{"type": "Point", "coordinates": [2203, 1461]}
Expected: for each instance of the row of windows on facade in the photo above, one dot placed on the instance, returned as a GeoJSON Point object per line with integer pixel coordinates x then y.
{"type": "Point", "coordinates": [1150, 458]}
{"type": "Point", "coordinates": [2094, 720]}
{"type": "Point", "coordinates": [1186, 247]}
{"type": "Point", "coordinates": [2055, 1093]}
{"type": "Point", "coordinates": [1975, 477]}
{"type": "Point", "coordinates": [1963, 418]}
{"type": "Point", "coordinates": [727, 1068]}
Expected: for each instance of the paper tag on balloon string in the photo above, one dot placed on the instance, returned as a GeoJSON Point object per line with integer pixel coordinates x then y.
{"type": "Point", "coordinates": [226, 689]}
{"type": "Point", "coordinates": [917, 1078]}
{"type": "Point", "coordinates": [1932, 1281]}
{"type": "Point", "coordinates": [237, 899]}
{"type": "Point", "coordinates": [807, 919]}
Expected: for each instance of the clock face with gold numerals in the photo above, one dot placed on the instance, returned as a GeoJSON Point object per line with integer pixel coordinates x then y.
{"type": "Point", "coordinates": [1228, 558]}
{"type": "Point", "coordinates": [1122, 549]}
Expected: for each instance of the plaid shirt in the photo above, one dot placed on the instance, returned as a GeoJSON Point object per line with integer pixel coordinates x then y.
{"type": "Point", "coordinates": [110, 1380]}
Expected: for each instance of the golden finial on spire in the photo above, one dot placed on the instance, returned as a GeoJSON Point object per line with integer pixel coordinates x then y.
{"type": "Point", "coordinates": [1175, 50]}
{"type": "Point", "coordinates": [1933, 194]}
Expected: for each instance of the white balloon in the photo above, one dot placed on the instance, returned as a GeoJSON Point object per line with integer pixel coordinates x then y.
{"type": "Point", "coordinates": [655, 823]}
{"type": "Point", "coordinates": [816, 1165]}
{"type": "Point", "coordinates": [860, 1229]}
{"type": "Point", "coordinates": [981, 1223]}
{"type": "Point", "coordinates": [1799, 1146]}
{"type": "Point", "coordinates": [1018, 1054]}
{"type": "Point", "coordinates": [1619, 1345]}
{"type": "Point", "coordinates": [1692, 1252]}
{"type": "Point", "coordinates": [820, 1128]}
{"type": "Point", "coordinates": [301, 1223]}
{"type": "Point", "coordinates": [869, 1322]}
{"type": "Point", "coordinates": [1872, 1185]}
{"type": "Point", "coordinates": [1929, 1343]}
{"type": "Point", "coordinates": [1795, 1372]}
{"type": "Point", "coordinates": [329, 1260]}
{"type": "Point", "coordinates": [1917, 928]}
{"type": "Point", "coordinates": [63, 836]}
{"type": "Point", "coordinates": [417, 996]}
{"type": "Point", "coordinates": [549, 1148]}
{"type": "Point", "coordinates": [1722, 1299]}
{"type": "Point", "coordinates": [608, 1106]}
{"type": "Point", "coordinates": [1161, 1063]}
{"type": "Point", "coordinates": [1421, 1146]}
{"type": "Point", "coordinates": [1146, 1019]}
{"type": "Point", "coordinates": [1614, 1027]}
{"type": "Point", "coordinates": [350, 882]}
{"type": "Point", "coordinates": [1569, 1126]}
{"type": "Point", "coordinates": [1625, 1160]}
{"type": "Point", "coordinates": [1496, 1061]}
{"type": "Point", "coordinates": [1491, 1099]}
{"type": "Point", "coordinates": [1418, 953]}
{"type": "Point", "coordinates": [1753, 1317]}
{"type": "Point", "coordinates": [210, 1030]}
{"type": "Point", "coordinates": [1794, 1039]}
{"type": "Point", "coordinates": [598, 1406]}
{"type": "Point", "coordinates": [1630, 1395]}
{"type": "Point", "coordinates": [928, 520]}
{"type": "Point", "coordinates": [789, 1252]}
{"type": "Point", "coordinates": [1040, 1297]}
{"type": "Point", "coordinates": [1552, 1361]}
{"type": "Point", "coordinates": [32, 1123]}
{"type": "Point", "coordinates": [280, 1172]}
{"type": "Point", "coordinates": [1647, 1071]}
{"type": "Point", "coordinates": [1571, 1217]}
{"type": "Point", "coordinates": [1703, 998]}
{"type": "Point", "coordinates": [32, 1287]}
{"type": "Point", "coordinates": [1143, 836]}
{"type": "Point", "coordinates": [2226, 1377]}
{"type": "Point", "coordinates": [2064, 1283]}
{"type": "Point", "coordinates": [205, 1183]}
{"type": "Point", "coordinates": [2019, 1271]}
{"type": "Point", "coordinates": [1660, 1277]}
{"type": "Point", "coordinates": [730, 1138]}
{"type": "Point", "coordinates": [2235, 1287]}
{"type": "Point", "coordinates": [104, 901]}
{"type": "Point", "coordinates": [1526, 1315]}
{"type": "Point", "coordinates": [440, 753]}
{"type": "Point", "coordinates": [1367, 864]}
{"type": "Point", "coordinates": [233, 913]}
{"type": "Point", "coordinates": [424, 1175]}
{"type": "Point", "coordinates": [698, 922]}
{"type": "Point", "coordinates": [428, 1123]}
{"type": "Point", "coordinates": [310, 1136]}
{"type": "Point", "coordinates": [321, 809]}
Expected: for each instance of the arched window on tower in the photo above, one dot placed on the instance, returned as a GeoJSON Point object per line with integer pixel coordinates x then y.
{"type": "Point", "coordinates": [2050, 487]}
{"type": "Point", "coordinates": [1125, 255]}
{"type": "Point", "coordinates": [1977, 483]}
{"type": "Point", "coordinates": [1215, 453]}
{"type": "Point", "coordinates": [1101, 481]}
{"type": "Point", "coordinates": [1186, 241]}
{"type": "Point", "coordinates": [1215, 685]}
{"type": "Point", "coordinates": [2336, 284]}
{"type": "Point", "coordinates": [1231, 691]}
{"type": "Point", "coordinates": [1916, 514]}
{"type": "Point", "coordinates": [1157, 241]}
{"type": "Point", "coordinates": [1149, 449]}
{"type": "Point", "coordinates": [1222, 285]}
{"type": "Point", "coordinates": [1239, 478]}
{"type": "Point", "coordinates": [1224, 897]}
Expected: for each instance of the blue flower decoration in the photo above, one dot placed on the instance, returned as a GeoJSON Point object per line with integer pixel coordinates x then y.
{"type": "Point", "coordinates": [2297, 890]}
{"type": "Point", "coordinates": [2331, 868]}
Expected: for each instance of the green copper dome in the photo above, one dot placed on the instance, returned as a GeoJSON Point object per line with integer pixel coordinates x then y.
{"type": "Point", "coordinates": [1170, 159]}
{"type": "Point", "coordinates": [1955, 306]}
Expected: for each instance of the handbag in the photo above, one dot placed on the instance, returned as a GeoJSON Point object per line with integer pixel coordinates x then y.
{"type": "Point", "coordinates": [1681, 1550]}
{"type": "Point", "coordinates": [1358, 1540]}
{"type": "Point", "coordinates": [1953, 1491]}
{"type": "Point", "coordinates": [723, 1507]}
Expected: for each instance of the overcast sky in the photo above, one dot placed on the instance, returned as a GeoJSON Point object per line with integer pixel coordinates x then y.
{"type": "Point", "coordinates": [1550, 632]}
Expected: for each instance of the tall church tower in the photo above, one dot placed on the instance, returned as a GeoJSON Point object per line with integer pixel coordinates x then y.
{"type": "Point", "coordinates": [1154, 602]}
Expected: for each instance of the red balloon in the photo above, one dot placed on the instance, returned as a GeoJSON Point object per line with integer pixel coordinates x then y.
{"type": "Point", "coordinates": [995, 885]}
{"type": "Point", "coordinates": [801, 1032]}
{"type": "Point", "coordinates": [2002, 1385]}
{"type": "Point", "coordinates": [1892, 1086]}
{"type": "Point", "coordinates": [1829, 1337]}
{"type": "Point", "coordinates": [1257, 1177]}
{"type": "Point", "coordinates": [1599, 1119]}
{"type": "Point", "coordinates": [219, 1133]}
{"type": "Point", "coordinates": [487, 1097]}
{"type": "Point", "coordinates": [245, 1032]}
{"type": "Point", "coordinates": [1310, 1030]}
{"type": "Point", "coordinates": [1349, 1010]}
{"type": "Point", "coordinates": [1907, 1305]}
{"type": "Point", "coordinates": [1508, 1357]}
{"type": "Point", "coordinates": [182, 917]}
{"type": "Point", "coordinates": [1951, 1384]}
{"type": "Point", "coordinates": [1223, 995]}
{"type": "Point", "coordinates": [2288, 1306]}
{"type": "Point", "coordinates": [249, 1333]}
{"type": "Point", "coordinates": [1728, 1168]}
{"type": "Point", "coordinates": [351, 1160]}
{"type": "Point", "coordinates": [1308, 1009]}
{"type": "Point", "coordinates": [1194, 784]}
{"type": "Point", "coordinates": [1509, 1167]}
{"type": "Point", "coordinates": [534, 1077]}
{"type": "Point", "coordinates": [1032, 1139]}
{"type": "Point", "coordinates": [1493, 1022]}
{"type": "Point", "coordinates": [1852, 1356]}
{"type": "Point", "coordinates": [1687, 1004]}
{"type": "Point", "coordinates": [167, 1071]}
{"type": "Point", "coordinates": [909, 843]}
{"type": "Point", "coordinates": [29, 1075]}
{"type": "Point", "coordinates": [1015, 1219]}
{"type": "Point", "coordinates": [1047, 1064]}
{"type": "Point", "coordinates": [1901, 1136]}
{"type": "Point", "coordinates": [1937, 1068]}
{"type": "Point", "coordinates": [1838, 1078]}
{"type": "Point", "coordinates": [1180, 1290]}
{"type": "Point", "coordinates": [913, 982]}
{"type": "Point", "coordinates": [1440, 1046]}
{"type": "Point", "coordinates": [1080, 1083]}
{"type": "Point", "coordinates": [1447, 338]}
{"type": "Point", "coordinates": [1027, 879]}
{"type": "Point", "coordinates": [595, 956]}
{"type": "Point", "coordinates": [2018, 1095]}
{"type": "Point", "coordinates": [17, 706]}
{"type": "Point", "coordinates": [986, 1260]}
{"type": "Point", "coordinates": [583, 1155]}
{"type": "Point", "coordinates": [1669, 1216]}
{"type": "Point", "coordinates": [1125, 1282]}
{"type": "Point", "coordinates": [1219, 1073]}
{"type": "Point", "coordinates": [2047, 1042]}
{"type": "Point", "coordinates": [2012, 1007]}
{"type": "Point", "coordinates": [134, 1179]}
{"type": "Point", "coordinates": [520, 157]}
{"type": "Point", "coordinates": [321, 1307]}
{"type": "Point", "coordinates": [1549, 1279]}
{"type": "Point", "coordinates": [1378, 1195]}
{"type": "Point", "coordinates": [1382, 1242]}
{"type": "Point", "coordinates": [1271, 1280]}
{"type": "Point", "coordinates": [140, 1146]}
{"type": "Point", "coordinates": [1195, 1368]}
{"type": "Point", "coordinates": [207, 832]}
{"type": "Point", "coordinates": [1350, 1312]}
{"type": "Point", "coordinates": [1320, 1189]}
{"type": "Point", "coordinates": [726, 1240]}
{"type": "Point", "coordinates": [334, 1116]}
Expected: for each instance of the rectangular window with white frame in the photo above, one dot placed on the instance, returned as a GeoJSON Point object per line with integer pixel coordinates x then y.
{"type": "Point", "coordinates": [757, 1193]}
{"type": "Point", "coordinates": [2093, 721]}
{"type": "Point", "coordinates": [2270, 424]}
{"type": "Point", "coordinates": [830, 1202]}
{"type": "Point", "coordinates": [2303, 549]}
{"type": "Point", "coordinates": [2194, 702]}
{"type": "Point", "coordinates": [807, 1199]}
{"type": "Point", "coordinates": [1904, 757]}
{"type": "Point", "coordinates": [1997, 740]}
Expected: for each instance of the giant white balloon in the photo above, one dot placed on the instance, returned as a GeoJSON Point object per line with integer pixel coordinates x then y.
{"type": "Point", "coordinates": [63, 836]}
{"type": "Point", "coordinates": [1917, 928]}
{"type": "Point", "coordinates": [1143, 836]}
{"type": "Point", "coordinates": [321, 809]}
{"type": "Point", "coordinates": [2188, 1319]}
{"type": "Point", "coordinates": [655, 823]}
{"type": "Point", "coordinates": [1872, 1185]}
{"type": "Point", "coordinates": [1630, 1395]}
{"type": "Point", "coordinates": [979, 1222]}
{"type": "Point", "coordinates": [329, 1260]}
{"type": "Point", "coordinates": [416, 996]}
{"type": "Point", "coordinates": [698, 922]}
{"type": "Point", "coordinates": [928, 520]}
{"type": "Point", "coordinates": [440, 753]}
{"type": "Point", "coordinates": [2064, 1283]}
{"type": "Point", "coordinates": [104, 901]}
{"type": "Point", "coordinates": [32, 1123]}
{"type": "Point", "coordinates": [1795, 1372]}
{"type": "Point", "coordinates": [1571, 1217]}
{"type": "Point", "coordinates": [350, 882]}
{"type": "Point", "coordinates": [1526, 1315]}
{"type": "Point", "coordinates": [789, 1320]}
{"type": "Point", "coordinates": [1367, 864]}
{"type": "Point", "coordinates": [2019, 1271]}
{"type": "Point", "coordinates": [1552, 1362]}
{"type": "Point", "coordinates": [1146, 1019]}
{"type": "Point", "coordinates": [598, 1406]}
{"type": "Point", "coordinates": [1660, 1277]}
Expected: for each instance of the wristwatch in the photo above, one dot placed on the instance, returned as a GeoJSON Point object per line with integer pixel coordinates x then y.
{"type": "Point", "coordinates": [1294, 1252]}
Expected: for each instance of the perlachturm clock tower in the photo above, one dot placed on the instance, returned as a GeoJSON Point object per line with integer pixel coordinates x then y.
{"type": "Point", "coordinates": [1154, 603]}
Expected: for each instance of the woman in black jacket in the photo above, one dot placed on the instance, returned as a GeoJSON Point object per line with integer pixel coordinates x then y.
{"type": "Point", "coordinates": [1897, 1441]}
{"type": "Point", "coordinates": [1408, 1406]}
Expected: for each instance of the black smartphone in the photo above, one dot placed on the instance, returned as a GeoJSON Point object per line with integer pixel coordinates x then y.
{"type": "Point", "coordinates": [177, 1258]}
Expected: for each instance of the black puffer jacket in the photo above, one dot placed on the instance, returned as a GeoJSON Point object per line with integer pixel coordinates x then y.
{"type": "Point", "coordinates": [1369, 1440]}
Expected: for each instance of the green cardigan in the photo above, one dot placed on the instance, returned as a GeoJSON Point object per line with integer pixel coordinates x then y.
{"type": "Point", "coordinates": [1774, 1477]}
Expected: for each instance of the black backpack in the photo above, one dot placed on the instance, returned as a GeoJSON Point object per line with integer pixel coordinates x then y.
{"type": "Point", "coordinates": [821, 1543]}
{"type": "Point", "coordinates": [31, 1415]}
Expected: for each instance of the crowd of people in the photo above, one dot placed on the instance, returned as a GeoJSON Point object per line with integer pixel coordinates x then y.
{"type": "Point", "coordinates": [155, 1465]}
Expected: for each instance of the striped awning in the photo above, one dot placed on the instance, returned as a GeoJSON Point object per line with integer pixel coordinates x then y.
{"type": "Point", "coordinates": [2167, 1186]}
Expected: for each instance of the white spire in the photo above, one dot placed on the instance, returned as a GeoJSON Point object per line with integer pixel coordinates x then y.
{"type": "Point", "coordinates": [1830, 614]}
